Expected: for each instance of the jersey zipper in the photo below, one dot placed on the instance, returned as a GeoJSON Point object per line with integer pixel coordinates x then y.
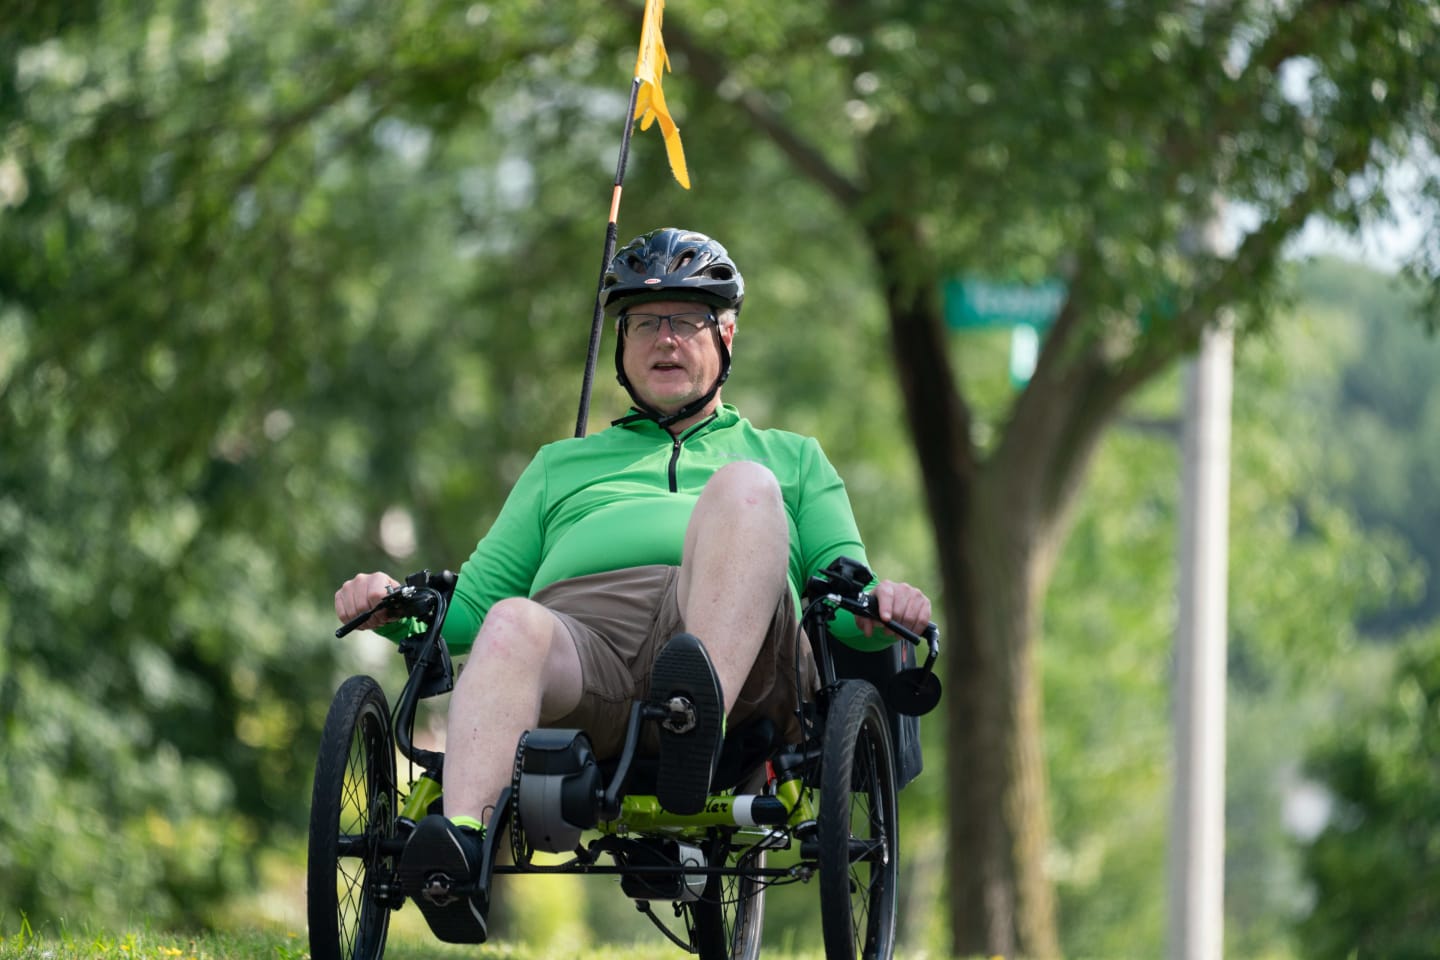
{"type": "Point", "coordinates": [675, 444]}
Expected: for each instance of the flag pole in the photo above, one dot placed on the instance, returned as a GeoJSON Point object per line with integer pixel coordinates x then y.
{"type": "Point", "coordinates": [647, 104]}
{"type": "Point", "coordinates": [597, 325]}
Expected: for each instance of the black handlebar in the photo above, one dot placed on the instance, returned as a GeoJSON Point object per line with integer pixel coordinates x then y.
{"type": "Point", "coordinates": [867, 605]}
{"type": "Point", "coordinates": [417, 598]}
{"type": "Point", "coordinates": [424, 596]}
{"type": "Point", "coordinates": [842, 585]}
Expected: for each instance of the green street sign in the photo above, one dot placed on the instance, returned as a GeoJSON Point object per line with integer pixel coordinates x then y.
{"type": "Point", "coordinates": [976, 303]}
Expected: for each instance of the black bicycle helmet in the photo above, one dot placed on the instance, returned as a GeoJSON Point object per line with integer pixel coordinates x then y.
{"type": "Point", "coordinates": [672, 264]}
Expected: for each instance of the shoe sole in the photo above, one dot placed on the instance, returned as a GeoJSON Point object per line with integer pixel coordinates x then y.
{"type": "Point", "coordinates": [687, 760]}
{"type": "Point", "coordinates": [432, 852]}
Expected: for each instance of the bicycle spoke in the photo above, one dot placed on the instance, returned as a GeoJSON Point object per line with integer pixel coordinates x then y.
{"type": "Point", "coordinates": [353, 847]}
{"type": "Point", "coordinates": [351, 815]}
{"type": "Point", "coordinates": [866, 864]}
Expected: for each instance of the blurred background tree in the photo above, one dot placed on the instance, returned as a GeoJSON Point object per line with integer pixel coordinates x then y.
{"type": "Point", "coordinates": [290, 290]}
{"type": "Point", "coordinates": [1309, 576]}
{"type": "Point", "coordinates": [287, 291]}
{"type": "Point", "coordinates": [1090, 143]}
{"type": "Point", "coordinates": [1371, 866]}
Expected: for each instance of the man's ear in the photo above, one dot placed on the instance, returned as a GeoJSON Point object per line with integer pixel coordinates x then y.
{"type": "Point", "coordinates": [727, 333]}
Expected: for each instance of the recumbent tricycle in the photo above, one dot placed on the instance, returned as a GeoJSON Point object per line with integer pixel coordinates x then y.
{"type": "Point", "coordinates": [829, 803]}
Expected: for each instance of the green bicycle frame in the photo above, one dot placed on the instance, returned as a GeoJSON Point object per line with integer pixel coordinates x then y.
{"type": "Point", "coordinates": [791, 805]}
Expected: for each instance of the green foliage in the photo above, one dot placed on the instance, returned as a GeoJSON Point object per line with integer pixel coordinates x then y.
{"type": "Point", "coordinates": [224, 322]}
{"type": "Point", "coordinates": [1367, 870]}
{"type": "Point", "coordinates": [1306, 569]}
{"type": "Point", "coordinates": [1372, 868]}
{"type": "Point", "coordinates": [278, 305]}
{"type": "Point", "coordinates": [1388, 399]}
{"type": "Point", "coordinates": [1109, 629]}
{"type": "Point", "coordinates": [23, 942]}
{"type": "Point", "coordinates": [289, 290]}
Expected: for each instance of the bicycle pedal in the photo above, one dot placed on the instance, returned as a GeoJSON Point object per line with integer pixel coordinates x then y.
{"type": "Point", "coordinates": [682, 717]}
{"type": "Point", "coordinates": [439, 889]}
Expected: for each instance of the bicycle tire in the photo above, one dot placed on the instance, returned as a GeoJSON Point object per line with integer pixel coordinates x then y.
{"type": "Point", "coordinates": [728, 917]}
{"type": "Point", "coordinates": [858, 827]}
{"type": "Point", "coordinates": [352, 811]}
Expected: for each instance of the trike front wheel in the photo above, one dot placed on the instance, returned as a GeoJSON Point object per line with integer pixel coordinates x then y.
{"type": "Point", "coordinates": [352, 815]}
{"type": "Point", "coordinates": [858, 821]}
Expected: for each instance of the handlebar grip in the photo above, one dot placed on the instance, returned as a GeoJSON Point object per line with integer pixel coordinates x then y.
{"type": "Point", "coordinates": [864, 605]}
{"type": "Point", "coordinates": [353, 624]}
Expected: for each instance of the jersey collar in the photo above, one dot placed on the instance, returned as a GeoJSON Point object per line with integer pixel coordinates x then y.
{"type": "Point", "coordinates": [724, 416]}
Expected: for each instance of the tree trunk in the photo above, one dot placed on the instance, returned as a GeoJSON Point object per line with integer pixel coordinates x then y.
{"type": "Point", "coordinates": [1001, 899]}
{"type": "Point", "coordinates": [1005, 549]}
{"type": "Point", "coordinates": [998, 525]}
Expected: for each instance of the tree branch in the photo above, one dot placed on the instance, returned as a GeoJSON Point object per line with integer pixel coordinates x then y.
{"type": "Point", "coordinates": [1285, 41]}
{"type": "Point", "coordinates": [713, 71]}
{"type": "Point", "coordinates": [1096, 388]}
{"type": "Point", "coordinates": [938, 416]}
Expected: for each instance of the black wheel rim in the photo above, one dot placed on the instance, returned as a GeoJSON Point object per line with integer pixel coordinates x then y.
{"type": "Point", "coordinates": [871, 846]}
{"type": "Point", "coordinates": [857, 828]}
{"type": "Point", "coordinates": [742, 909]}
{"type": "Point", "coordinates": [365, 816]}
{"type": "Point", "coordinates": [350, 875]}
{"type": "Point", "coordinates": [726, 921]}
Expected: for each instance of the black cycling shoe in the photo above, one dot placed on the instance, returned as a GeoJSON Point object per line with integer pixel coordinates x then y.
{"type": "Point", "coordinates": [684, 679]}
{"type": "Point", "coordinates": [440, 870]}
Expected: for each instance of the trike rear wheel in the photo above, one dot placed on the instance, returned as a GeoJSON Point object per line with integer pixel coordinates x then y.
{"type": "Point", "coordinates": [729, 914]}
{"type": "Point", "coordinates": [352, 814]}
{"type": "Point", "coordinates": [858, 856]}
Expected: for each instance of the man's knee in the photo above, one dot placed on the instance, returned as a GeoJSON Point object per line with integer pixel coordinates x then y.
{"type": "Point", "coordinates": [745, 482]}
{"type": "Point", "coordinates": [516, 627]}
{"type": "Point", "coordinates": [523, 644]}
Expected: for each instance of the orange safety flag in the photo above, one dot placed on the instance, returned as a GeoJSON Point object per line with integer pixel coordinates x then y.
{"type": "Point", "coordinates": [650, 99]}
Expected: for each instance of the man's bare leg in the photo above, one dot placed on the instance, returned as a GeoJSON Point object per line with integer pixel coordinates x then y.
{"type": "Point", "coordinates": [523, 669]}
{"type": "Point", "coordinates": [737, 550]}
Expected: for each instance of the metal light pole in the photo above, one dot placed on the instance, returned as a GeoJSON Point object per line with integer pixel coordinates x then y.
{"type": "Point", "coordinates": [1197, 830]}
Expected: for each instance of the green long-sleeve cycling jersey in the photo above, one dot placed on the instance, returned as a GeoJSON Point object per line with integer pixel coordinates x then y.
{"type": "Point", "coordinates": [623, 497]}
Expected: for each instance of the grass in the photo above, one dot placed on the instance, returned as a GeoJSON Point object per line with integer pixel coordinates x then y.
{"type": "Point", "coordinates": [27, 944]}
{"type": "Point", "coordinates": [83, 945]}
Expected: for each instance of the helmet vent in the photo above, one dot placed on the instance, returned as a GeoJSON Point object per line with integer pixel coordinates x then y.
{"type": "Point", "coordinates": [719, 272]}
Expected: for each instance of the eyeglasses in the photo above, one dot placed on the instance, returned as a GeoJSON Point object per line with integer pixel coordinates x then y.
{"type": "Point", "coordinates": [646, 326]}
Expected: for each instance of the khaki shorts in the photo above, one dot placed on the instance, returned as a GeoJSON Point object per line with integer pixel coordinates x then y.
{"type": "Point", "coordinates": [620, 619]}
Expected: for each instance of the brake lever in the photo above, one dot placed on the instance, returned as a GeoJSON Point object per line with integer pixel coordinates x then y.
{"type": "Point", "coordinates": [867, 606]}
{"type": "Point", "coordinates": [390, 599]}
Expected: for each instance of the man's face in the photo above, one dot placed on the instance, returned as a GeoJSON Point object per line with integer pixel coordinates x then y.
{"type": "Point", "coordinates": [666, 369]}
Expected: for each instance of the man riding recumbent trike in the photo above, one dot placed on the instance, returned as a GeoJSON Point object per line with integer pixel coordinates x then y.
{"type": "Point", "coordinates": [639, 691]}
{"type": "Point", "coordinates": [826, 805]}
